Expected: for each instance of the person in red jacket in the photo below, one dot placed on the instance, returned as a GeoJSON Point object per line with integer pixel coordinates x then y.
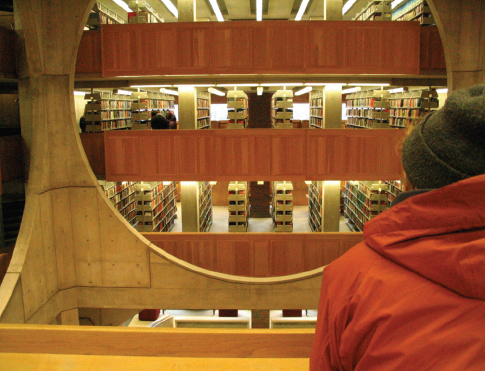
{"type": "Point", "coordinates": [411, 296]}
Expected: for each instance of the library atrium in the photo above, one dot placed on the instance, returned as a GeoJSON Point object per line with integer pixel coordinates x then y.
{"type": "Point", "coordinates": [285, 120]}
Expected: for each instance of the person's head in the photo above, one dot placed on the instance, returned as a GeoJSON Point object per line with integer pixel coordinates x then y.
{"type": "Point", "coordinates": [154, 113]}
{"type": "Point", "coordinates": [448, 145]}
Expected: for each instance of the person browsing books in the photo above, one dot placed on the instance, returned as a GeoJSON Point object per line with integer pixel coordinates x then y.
{"type": "Point", "coordinates": [158, 120]}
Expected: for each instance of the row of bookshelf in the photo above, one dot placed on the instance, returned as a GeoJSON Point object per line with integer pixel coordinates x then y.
{"type": "Point", "coordinates": [205, 206]}
{"type": "Point", "coordinates": [239, 208]}
{"type": "Point", "coordinates": [282, 206]}
{"type": "Point", "coordinates": [122, 195]}
{"type": "Point", "coordinates": [203, 110]}
{"type": "Point", "coordinates": [282, 109]}
{"type": "Point", "coordinates": [315, 218]}
{"type": "Point", "coordinates": [376, 10]}
{"type": "Point", "coordinates": [237, 106]}
{"type": "Point", "coordinates": [414, 10]}
{"type": "Point", "coordinates": [143, 13]}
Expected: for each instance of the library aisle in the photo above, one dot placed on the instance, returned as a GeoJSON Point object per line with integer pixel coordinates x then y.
{"type": "Point", "coordinates": [261, 225]}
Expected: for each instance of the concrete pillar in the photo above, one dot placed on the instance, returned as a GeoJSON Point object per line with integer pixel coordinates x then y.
{"type": "Point", "coordinates": [331, 206]}
{"type": "Point", "coordinates": [190, 206]}
{"type": "Point", "coordinates": [187, 10]}
{"type": "Point", "coordinates": [332, 107]}
{"type": "Point", "coordinates": [187, 107]}
{"type": "Point", "coordinates": [332, 10]}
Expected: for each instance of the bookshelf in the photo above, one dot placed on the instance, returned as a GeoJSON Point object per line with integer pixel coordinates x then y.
{"type": "Point", "coordinates": [363, 200]}
{"type": "Point", "coordinates": [282, 206]}
{"type": "Point", "coordinates": [163, 205]}
{"type": "Point", "coordinates": [203, 110]}
{"type": "Point", "coordinates": [282, 109]}
{"type": "Point", "coordinates": [316, 109]}
{"type": "Point", "coordinates": [144, 13]}
{"type": "Point", "coordinates": [315, 210]}
{"type": "Point", "coordinates": [144, 103]}
{"type": "Point", "coordinates": [238, 194]}
{"type": "Point", "coordinates": [101, 14]}
{"type": "Point", "coordinates": [205, 206]}
{"type": "Point", "coordinates": [394, 187]}
{"type": "Point", "coordinates": [122, 195]}
{"type": "Point", "coordinates": [409, 107]}
{"type": "Point", "coordinates": [237, 105]}
{"type": "Point", "coordinates": [107, 111]}
{"type": "Point", "coordinates": [368, 109]}
{"type": "Point", "coordinates": [414, 10]}
{"type": "Point", "coordinates": [376, 10]}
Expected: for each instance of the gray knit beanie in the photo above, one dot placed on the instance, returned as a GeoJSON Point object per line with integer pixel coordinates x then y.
{"type": "Point", "coordinates": [448, 145]}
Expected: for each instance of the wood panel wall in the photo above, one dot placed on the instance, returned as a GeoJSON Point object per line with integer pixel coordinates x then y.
{"type": "Point", "coordinates": [256, 154]}
{"type": "Point", "coordinates": [8, 52]}
{"type": "Point", "coordinates": [93, 144]}
{"type": "Point", "coordinates": [89, 53]}
{"type": "Point", "coordinates": [432, 54]}
{"type": "Point", "coordinates": [256, 254]}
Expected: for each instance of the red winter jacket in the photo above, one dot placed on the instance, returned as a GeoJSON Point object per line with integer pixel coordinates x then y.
{"type": "Point", "coordinates": [411, 296]}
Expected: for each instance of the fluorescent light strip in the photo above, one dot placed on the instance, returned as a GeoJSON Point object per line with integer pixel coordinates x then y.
{"type": "Point", "coordinates": [260, 89]}
{"type": "Point", "coordinates": [216, 92]}
{"type": "Point", "coordinates": [324, 84]}
{"type": "Point", "coordinates": [171, 7]}
{"type": "Point", "coordinates": [230, 85]}
{"type": "Point", "coordinates": [349, 4]}
{"type": "Point", "coordinates": [442, 91]}
{"type": "Point", "coordinates": [283, 84]}
{"type": "Point", "coordinates": [364, 84]}
{"type": "Point", "coordinates": [396, 3]}
{"type": "Point", "coordinates": [167, 91]}
{"type": "Point", "coordinates": [195, 86]}
{"type": "Point", "coordinates": [123, 5]}
{"type": "Point", "coordinates": [150, 86]}
{"type": "Point", "coordinates": [259, 10]}
{"type": "Point", "coordinates": [216, 9]}
{"type": "Point", "coordinates": [123, 92]}
{"type": "Point", "coordinates": [76, 92]}
{"type": "Point", "coordinates": [397, 90]}
{"type": "Point", "coordinates": [302, 9]}
{"type": "Point", "coordinates": [304, 90]}
{"type": "Point", "coordinates": [351, 90]}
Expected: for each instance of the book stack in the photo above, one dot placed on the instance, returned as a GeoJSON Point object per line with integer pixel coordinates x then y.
{"type": "Point", "coordinates": [238, 206]}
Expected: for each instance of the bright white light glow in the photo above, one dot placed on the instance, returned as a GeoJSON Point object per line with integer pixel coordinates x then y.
{"type": "Point", "coordinates": [283, 84]}
{"type": "Point", "coordinates": [237, 85]}
{"type": "Point", "coordinates": [396, 3]}
{"type": "Point", "coordinates": [324, 84]}
{"type": "Point", "coordinates": [123, 5]}
{"type": "Point", "coordinates": [259, 10]}
{"type": "Point", "coordinates": [397, 90]}
{"type": "Point", "coordinates": [304, 90]}
{"type": "Point", "coordinates": [194, 86]}
{"type": "Point", "coordinates": [351, 90]}
{"type": "Point", "coordinates": [124, 92]}
{"type": "Point", "coordinates": [215, 6]}
{"type": "Point", "coordinates": [150, 86]}
{"type": "Point", "coordinates": [260, 89]}
{"type": "Point", "coordinates": [167, 91]}
{"type": "Point", "coordinates": [171, 7]}
{"type": "Point", "coordinates": [216, 92]}
{"type": "Point", "coordinates": [349, 4]}
{"type": "Point", "coordinates": [213, 183]}
{"type": "Point", "coordinates": [364, 84]}
{"type": "Point", "coordinates": [302, 9]}
{"type": "Point", "coordinates": [442, 91]}
{"type": "Point", "coordinates": [79, 92]}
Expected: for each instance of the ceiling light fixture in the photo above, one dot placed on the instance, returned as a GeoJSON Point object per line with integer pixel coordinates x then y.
{"type": "Point", "coordinates": [259, 10]}
{"type": "Point", "coordinates": [167, 91]}
{"type": "Point", "coordinates": [122, 92]}
{"type": "Point", "coordinates": [171, 7]}
{"type": "Point", "coordinates": [194, 86]}
{"type": "Point", "coordinates": [283, 84]}
{"type": "Point", "coordinates": [302, 9]}
{"type": "Point", "coordinates": [324, 84]}
{"type": "Point", "coordinates": [304, 90]}
{"type": "Point", "coordinates": [231, 85]}
{"type": "Point", "coordinates": [216, 92]}
{"type": "Point", "coordinates": [365, 84]}
{"type": "Point", "coordinates": [260, 89]}
{"type": "Point", "coordinates": [76, 92]}
{"type": "Point", "coordinates": [123, 5]}
{"type": "Point", "coordinates": [442, 91]}
{"type": "Point", "coordinates": [349, 4]}
{"type": "Point", "coordinates": [150, 86]}
{"type": "Point", "coordinates": [396, 3]}
{"type": "Point", "coordinates": [216, 9]}
{"type": "Point", "coordinates": [397, 90]}
{"type": "Point", "coordinates": [351, 90]}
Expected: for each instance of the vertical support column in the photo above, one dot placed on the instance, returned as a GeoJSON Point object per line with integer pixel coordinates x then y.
{"type": "Point", "coordinates": [332, 10]}
{"type": "Point", "coordinates": [332, 107]}
{"type": "Point", "coordinates": [70, 317]}
{"type": "Point", "coordinates": [187, 10]}
{"type": "Point", "coordinates": [187, 107]}
{"type": "Point", "coordinates": [190, 207]}
{"type": "Point", "coordinates": [331, 205]}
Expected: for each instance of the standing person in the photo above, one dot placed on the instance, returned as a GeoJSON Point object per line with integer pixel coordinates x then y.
{"type": "Point", "coordinates": [172, 120]}
{"type": "Point", "coordinates": [159, 121]}
{"type": "Point", "coordinates": [411, 296]}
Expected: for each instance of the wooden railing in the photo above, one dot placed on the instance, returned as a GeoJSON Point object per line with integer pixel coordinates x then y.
{"type": "Point", "coordinates": [255, 154]}
{"type": "Point", "coordinates": [256, 254]}
{"type": "Point", "coordinates": [102, 348]}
